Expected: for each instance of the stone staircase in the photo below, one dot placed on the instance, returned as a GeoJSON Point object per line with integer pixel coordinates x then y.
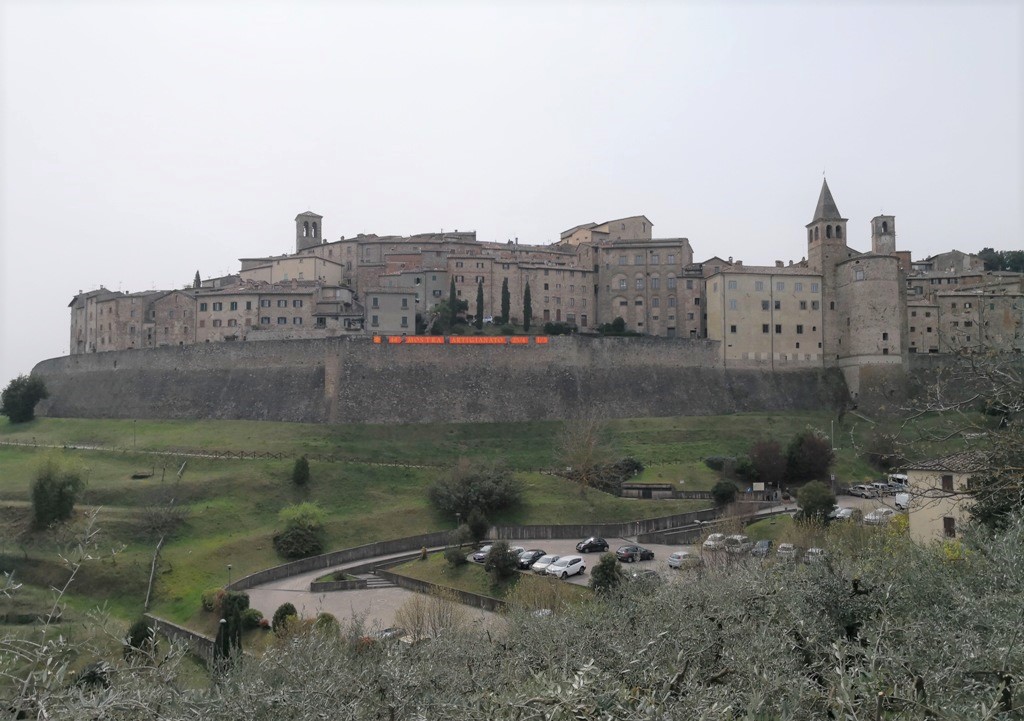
{"type": "Point", "coordinates": [374, 581]}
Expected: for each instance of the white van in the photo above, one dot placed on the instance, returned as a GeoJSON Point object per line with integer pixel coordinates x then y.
{"type": "Point", "coordinates": [902, 501]}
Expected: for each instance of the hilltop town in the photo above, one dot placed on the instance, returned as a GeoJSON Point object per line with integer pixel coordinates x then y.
{"type": "Point", "coordinates": [837, 307]}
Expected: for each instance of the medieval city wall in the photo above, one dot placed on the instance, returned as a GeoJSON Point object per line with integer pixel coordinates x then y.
{"type": "Point", "coordinates": [354, 380]}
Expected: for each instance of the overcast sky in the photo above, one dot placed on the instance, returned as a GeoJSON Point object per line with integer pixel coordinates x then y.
{"type": "Point", "coordinates": [143, 140]}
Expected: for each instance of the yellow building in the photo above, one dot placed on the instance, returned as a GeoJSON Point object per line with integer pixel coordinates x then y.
{"type": "Point", "coordinates": [940, 495]}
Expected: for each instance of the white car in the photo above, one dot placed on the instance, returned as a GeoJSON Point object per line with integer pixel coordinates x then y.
{"type": "Point", "coordinates": [738, 544]}
{"type": "Point", "coordinates": [862, 490]}
{"type": "Point", "coordinates": [879, 516]}
{"type": "Point", "coordinates": [841, 514]}
{"type": "Point", "coordinates": [567, 566]}
{"type": "Point", "coordinates": [787, 552]}
{"type": "Point", "coordinates": [815, 555]}
{"type": "Point", "coordinates": [542, 564]}
{"type": "Point", "coordinates": [902, 501]}
{"type": "Point", "coordinates": [684, 559]}
{"type": "Point", "coordinates": [714, 542]}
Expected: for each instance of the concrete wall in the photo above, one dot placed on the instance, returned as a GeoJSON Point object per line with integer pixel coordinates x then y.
{"type": "Point", "coordinates": [353, 380]}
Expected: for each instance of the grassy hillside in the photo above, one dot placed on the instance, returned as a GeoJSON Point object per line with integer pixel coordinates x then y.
{"type": "Point", "coordinates": [233, 504]}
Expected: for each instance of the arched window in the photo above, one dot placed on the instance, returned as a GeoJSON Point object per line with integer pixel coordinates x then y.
{"type": "Point", "coordinates": [885, 227]}
{"type": "Point", "coordinates": [305, 229]}
{"type": "Point", "coordinates": [314, 229]}
{"type": "Point", "coordinates": [810, 235]}
{"type": "Point", "coordinates": [816, 234]}
{"type": "Point", "coordinates": [839, 231]}
{"type": "Point", "coordinates": [828, 231]}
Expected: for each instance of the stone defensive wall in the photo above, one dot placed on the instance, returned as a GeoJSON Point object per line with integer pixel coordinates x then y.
{"type": "Point", "coordinates": [419, 380]}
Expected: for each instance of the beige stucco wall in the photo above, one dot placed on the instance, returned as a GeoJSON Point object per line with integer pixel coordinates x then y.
{"type": "Point", "coordinates": [391, 310]}
{"type": "Point", "coordinates": [929, 505]}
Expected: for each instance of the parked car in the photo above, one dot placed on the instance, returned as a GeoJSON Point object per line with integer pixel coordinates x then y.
{"type": "Point", "coordinates": [480, 555]}
{"type": "Point", "coordinates": [714, 542]}
{"type": "Point", "coordinates": [761, 549]}
{"type": "Point", "coordinates": [629, 554]}
{"type": "Point", "coordinates": [898, 487]}
{"type": "Point", "coordinates": [738, 544]}
{"type": "Point", "coordinates": [567, 566]}
{"type": "Point", "coordinates": [842, 514]}
{"type": "Point", "coordinates": [862, 491]}
{"type": "Point", "coordinates": [684, 559]}
{"type": "Point", "coordinates": [902, 501]}
{"type": "Point", "coordinates": [879, 516]}
{"type": "Point", "coordinates": [815, 555]}
{"type": "Point", "coordinates": [528, 558]}
{"type": "Point", "coordinates": [644, 575]}
{"type": "Point", "coordinates": [592, 544]}
{"type": "Point", "coordinates": [516, 550]}
{"type": "Point", "coordinates": [787, 552]}
{"type": "Point", "coordinates": [881, 488]}
{"type": "Point", "coordinates": [542, 563]}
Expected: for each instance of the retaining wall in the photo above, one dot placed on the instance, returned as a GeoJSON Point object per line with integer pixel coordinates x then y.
{"type": "Point", "coordinates": [465, 597]}
{"type": "Point", "coordinates": [198, 644]}
{"type": "Point", "coordinates": [353, 380]}
{"type": "Point", "coordinates": [337, 558]}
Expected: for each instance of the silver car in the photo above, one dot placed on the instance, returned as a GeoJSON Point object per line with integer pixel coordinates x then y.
{"type": "Point", "coordinates": [541, 566]}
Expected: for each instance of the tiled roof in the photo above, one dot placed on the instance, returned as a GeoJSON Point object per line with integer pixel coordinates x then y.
{"type": "Point", "coordinates": [963, 462]}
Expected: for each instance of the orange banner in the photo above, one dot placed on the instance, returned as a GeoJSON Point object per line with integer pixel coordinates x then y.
{"type": "Point", "coordinates": [458, 340]}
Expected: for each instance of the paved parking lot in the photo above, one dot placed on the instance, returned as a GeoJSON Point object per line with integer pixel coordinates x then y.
{"type": "Point", "coordinates": [567, 547]}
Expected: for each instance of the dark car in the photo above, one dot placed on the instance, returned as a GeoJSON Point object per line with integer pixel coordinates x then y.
{"type": "Point", "coordinates": [761, 549]}
{"type": "Point", "coordinates": [628, 554]}
{"type": "Point", "coordinates": [528, 558]}
{"type": "Point", "coordinates": [592, 544]}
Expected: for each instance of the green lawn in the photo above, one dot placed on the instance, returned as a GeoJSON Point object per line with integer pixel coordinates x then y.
{"type": "Point", "coordinates": [232, 505]}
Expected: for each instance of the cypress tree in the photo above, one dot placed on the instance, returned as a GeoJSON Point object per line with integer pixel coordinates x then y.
{"type": "Point", "coordinates": [506, 302]}
{"type": "Point", "coordinates": [453, 305]}
{"type": "Point", "coordinates": [479, 305]}
{"type": "Point", "coordinates": [527, 308]}
{"type": "Point", "coordinates": [196, 283]}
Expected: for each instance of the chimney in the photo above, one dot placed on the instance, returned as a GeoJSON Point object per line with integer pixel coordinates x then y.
{"type": "Point", "coordinates": [730, 260]}
{"type": "Point", "coordinates": [738, 264]}
{"type": "Point", "coordinates": [778, 264]}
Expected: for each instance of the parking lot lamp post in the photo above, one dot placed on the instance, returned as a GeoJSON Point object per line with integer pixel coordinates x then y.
{"type": "Point", "coordinates": [458, 519]}
{"type": "Point", "coordinates": [229, 574]}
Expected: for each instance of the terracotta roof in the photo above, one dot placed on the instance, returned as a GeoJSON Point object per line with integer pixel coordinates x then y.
{"type": "Point", "coordinates": [963, 462]}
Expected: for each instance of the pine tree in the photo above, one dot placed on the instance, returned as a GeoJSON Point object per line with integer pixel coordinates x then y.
{"type": "Point", "coordinates": [506, 302]}
{"type": "Point", "coordinates": [479, 305]}
{"type": "Point", "coordinates": [527, 308]}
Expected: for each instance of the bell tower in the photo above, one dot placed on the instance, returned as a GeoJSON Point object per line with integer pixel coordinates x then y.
{"type": "Point", "coordinates": [883, 235]}
{"type": "Point", "coordinates": [308, 230]}
{"type": "Point", "coordinates": [827, 231]}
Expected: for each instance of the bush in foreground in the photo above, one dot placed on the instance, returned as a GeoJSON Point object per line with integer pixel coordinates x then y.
{"type": "Point", "coordinates": [18, 400]}
{"type": "Point", "coordinates": [54, 493]}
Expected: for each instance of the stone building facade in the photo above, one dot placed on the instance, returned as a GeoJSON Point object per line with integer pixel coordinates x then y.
{"type": "Point", "coordinates": [838, 307]}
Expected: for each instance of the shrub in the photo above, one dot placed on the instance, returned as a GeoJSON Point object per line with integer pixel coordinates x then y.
{"type": "Point", "coordinates": [455, 556]}
{"type": "Point", "coordinates": [19, 398]}
{"type": "Point", "coordinates": [138, 639]}
{"type": "Point", "coordinates": [284, 615]}
{"type": "Point", "coordinates": [486, 488]}
{"type": "Point", "coordinates": [211, 599]}
{"type": "Point", "coordinates": [300, 471]}
{"type": "Point", "coordinates": [327, 624]}
{"type": "Point", "coordinates": [303, 533]}
{"type": "Point", "coordinates": [882, 451]}
{"type": "Point", "coordinates": [298, 542]}
{"type": "Point", "coordinates": [234, 602]}
{"type": "Point", "coordinates": [507, 329]}
{"type": "Point", "coordinates": [252, 618]}
{"type": "Point", "coordinates": [606, 575]}
{"type": "Point", "coordinates": [551, 328]}
{"type": "Point", "coordinates": [501, 562]}
{"type": "Point", "coordinates": [54, 493]}
{"type": "Point", "coordinates": [724, 493]}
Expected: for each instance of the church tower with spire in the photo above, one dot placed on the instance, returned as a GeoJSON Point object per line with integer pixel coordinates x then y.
{"type": "Point", "coordinates": [826, 233]}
